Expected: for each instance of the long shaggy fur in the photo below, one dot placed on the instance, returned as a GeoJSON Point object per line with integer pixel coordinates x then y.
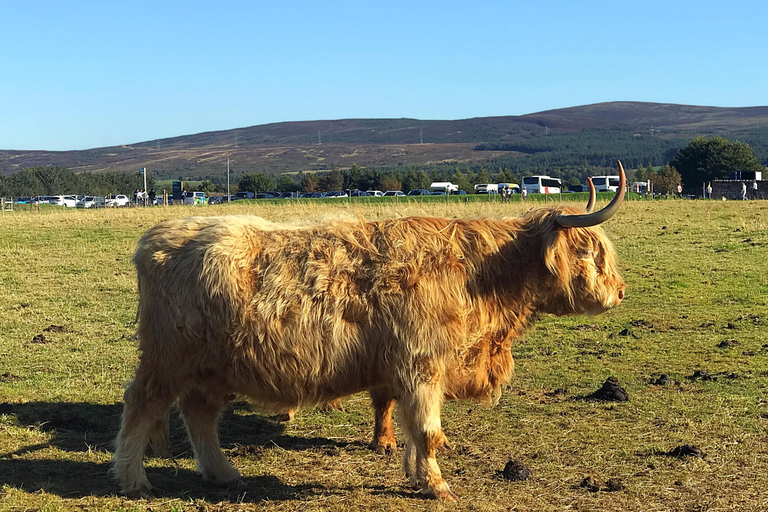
{"type": "Point", "coordinates": [424, 308]}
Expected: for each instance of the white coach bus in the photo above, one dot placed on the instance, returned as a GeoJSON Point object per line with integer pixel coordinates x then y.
{"type": "Point", "coordinates": [606, 183]}
{"type": "Point", "coordinates": [542, 185]}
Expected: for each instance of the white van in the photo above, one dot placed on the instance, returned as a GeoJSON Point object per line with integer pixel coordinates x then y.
{"type": "Point", "coordinates": [487, 188]}
{"type": "Point", "coordinates": [444, 186]}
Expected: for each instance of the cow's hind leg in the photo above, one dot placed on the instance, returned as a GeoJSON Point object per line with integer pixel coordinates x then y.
{"type": "Point", "coordinates": [145, 418]}
{"type": "Point", "coordinates": [420, 420]}
{"type": "Point", "coordinates": [383, 432]}
{"type": "Point", "coordinates": [201, 409]}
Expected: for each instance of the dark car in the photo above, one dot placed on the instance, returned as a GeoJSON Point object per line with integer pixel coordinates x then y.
{"type": "Point", "coordinates": [265, 195]}
{"type": "Point", "coordinates": [578, 188]}
{"type": "Point", "coordinates": [419, 192]}
{"type": "Point", "coordinates": [243, 195]}
{"type": "Point", "coordinates": [290, 195]}
{"type": "Point", "coordinates": [458, 193]}
{"type": "Point", "coordinates": [214, 200]}
{"type": "Point", "coordinates": [359, 193]}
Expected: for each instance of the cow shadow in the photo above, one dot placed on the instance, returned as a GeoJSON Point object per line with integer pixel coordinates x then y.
{"type": "Point", "coordinates": [85, 427]}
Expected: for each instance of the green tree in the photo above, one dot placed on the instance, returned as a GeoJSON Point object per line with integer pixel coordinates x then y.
{"type": "Point", "coordinates": [410, 181]}
{"type": "Point", "coordinates": [354, 178]}
{"type": "Point", "coordinates": [331, 180]}
{"type": "Point", "coordinates": [309, 183]}
{"type": "Point", "coordinates": [286, 183]}
{"type": "Point", "coordinates": [206, 186]}
{"type": "Point", "coordinates": [461, 180]}
{"type": "Point", "coordinates": [711, 158]}
{"type": "Point", "coordinates": [390, 183]}
{"type": "Point", "coordinates": [255, 182]}
{"type": "Point", "coordinates": [482, 177]}
{"type": "Point", "coordinates": [666, 180]}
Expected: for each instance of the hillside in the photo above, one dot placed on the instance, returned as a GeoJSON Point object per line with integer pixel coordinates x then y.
{"type": "Point", "coordinates": [320, 145]}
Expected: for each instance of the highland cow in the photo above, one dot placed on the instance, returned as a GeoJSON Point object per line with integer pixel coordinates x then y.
{"type": "Point", "coordinates": [421, 309]}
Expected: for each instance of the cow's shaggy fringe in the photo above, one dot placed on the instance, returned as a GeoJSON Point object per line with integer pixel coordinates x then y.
{"type": "Point", "coordinates": [421, 308]}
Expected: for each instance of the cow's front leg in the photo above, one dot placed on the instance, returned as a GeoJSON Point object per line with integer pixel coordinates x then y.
{"type": "Point", "coordinates": [420, 420]}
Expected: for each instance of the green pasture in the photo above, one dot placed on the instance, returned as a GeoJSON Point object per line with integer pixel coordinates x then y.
{"type": "Point", "coordinates": [697, 299]}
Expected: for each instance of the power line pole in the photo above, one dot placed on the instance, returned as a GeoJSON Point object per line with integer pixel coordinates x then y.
{"type": "Point", "coordinates": [421, 135]}
{"type": "Point", "coordinates": [319, 142]}
{"type": "Point", "coordinates": [229, 194]}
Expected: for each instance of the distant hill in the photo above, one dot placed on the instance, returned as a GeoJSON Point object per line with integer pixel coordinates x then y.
{"type": "Point", "coordinates": [319, 145]}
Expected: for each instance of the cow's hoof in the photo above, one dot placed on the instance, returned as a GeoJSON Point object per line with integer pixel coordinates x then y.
{"type": "Point", "coordinates": [441, 492]}
{"type": "Point", "coordinates": [333, 405]}
{"type": "Point", "coordinates": [225, 478]}
{"type": "Point", "coordinates": [384, 447]}
{"type": "Point", "coordinates": [139, 492]}
{"type": "Point", "coordinates": [284, 417]}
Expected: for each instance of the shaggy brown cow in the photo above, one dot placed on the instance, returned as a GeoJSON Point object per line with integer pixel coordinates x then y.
{"type": "Point", "coordinates": [288, 315]}
{"type": "Point", "coordinates": [383, 400]}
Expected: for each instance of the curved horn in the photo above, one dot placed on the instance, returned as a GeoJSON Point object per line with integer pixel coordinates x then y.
{"type": "Point", "coordinates": [592, 196]}
{"type": "Point", "coordinates": [594, 218]}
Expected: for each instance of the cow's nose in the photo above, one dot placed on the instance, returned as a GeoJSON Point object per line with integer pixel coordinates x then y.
{"type": "Point", "coordinates": [621, 295]}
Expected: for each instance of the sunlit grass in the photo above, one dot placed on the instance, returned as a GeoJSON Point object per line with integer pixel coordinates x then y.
{"type": "Point", "coordinates": [696, 276]}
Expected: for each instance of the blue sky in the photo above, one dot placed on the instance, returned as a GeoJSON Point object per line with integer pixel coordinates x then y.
{"type": "Point", "coordinates": [78, 74]}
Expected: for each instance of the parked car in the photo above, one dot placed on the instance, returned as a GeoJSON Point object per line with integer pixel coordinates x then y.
{"type": "Point", "coordinates": [42, 199]}
{"type": "Point", "coordinates": [243, 195]}
{"type": "Point", "coordinates": [91, 202]}
{"type": "Point", "coordinates": [336, 194]}
{"type": "Point", "coordinates": [578, 188]}
{"type": "Point", "coordinates": [419, 192]}
{"type": "Point", "coordinates": [290, 195]}
{"type": "Point", "coordinates": [393, 193]}
{"type": "Point", "coordinates": [116, 200]}
{"type": "Point", "coordinates": [316, 195]}
{"type": "Point", "coordinates": [196, 198]}
{"type": "Point", "coordinates": [265, 195]}
{"type": "Point", "coordinates": [215, 200]}
{"type": "Point", "coordinates": [359, 193]}
{"type": "Point", "coordinates": [458, 193]}
{"type": "Point", "coordinates": [375, 193]}
{"type": "Point", "coordinates": [438, 194]}
{"type": "Point", "coordinates": [23, 200]}
{"type": "Point", "coordinates": [68, 201]}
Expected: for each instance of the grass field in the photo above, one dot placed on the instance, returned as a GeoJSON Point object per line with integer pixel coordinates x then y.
{"type": "Point", "coordinates": [697, 299]}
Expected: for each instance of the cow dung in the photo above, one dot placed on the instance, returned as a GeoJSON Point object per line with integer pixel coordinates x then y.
{"type": "Point", "coordinates": [516, 471]}
{"type": "Point", "coordinates": [611, 391]}
{"type": "Point", "coordinates": [614, 485]}
{"type": "Point", "coordinates": [686, 450]}
{"type": "Point", "coordinates": [56, 328]}
{"type": "Point", "coordinates": [39, 338]}
{"type": "Point", "coordinates": [664, 380]}
{"type": "Point", "coordinates": [727, 344]}
{"type": "Point", "coordinates": [592, 485]}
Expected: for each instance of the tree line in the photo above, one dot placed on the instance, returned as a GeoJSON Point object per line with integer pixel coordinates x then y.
{"type": "Point", "coordinates": [53, 180]}
{"type": "Point", "coordinates": [703, 159]}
